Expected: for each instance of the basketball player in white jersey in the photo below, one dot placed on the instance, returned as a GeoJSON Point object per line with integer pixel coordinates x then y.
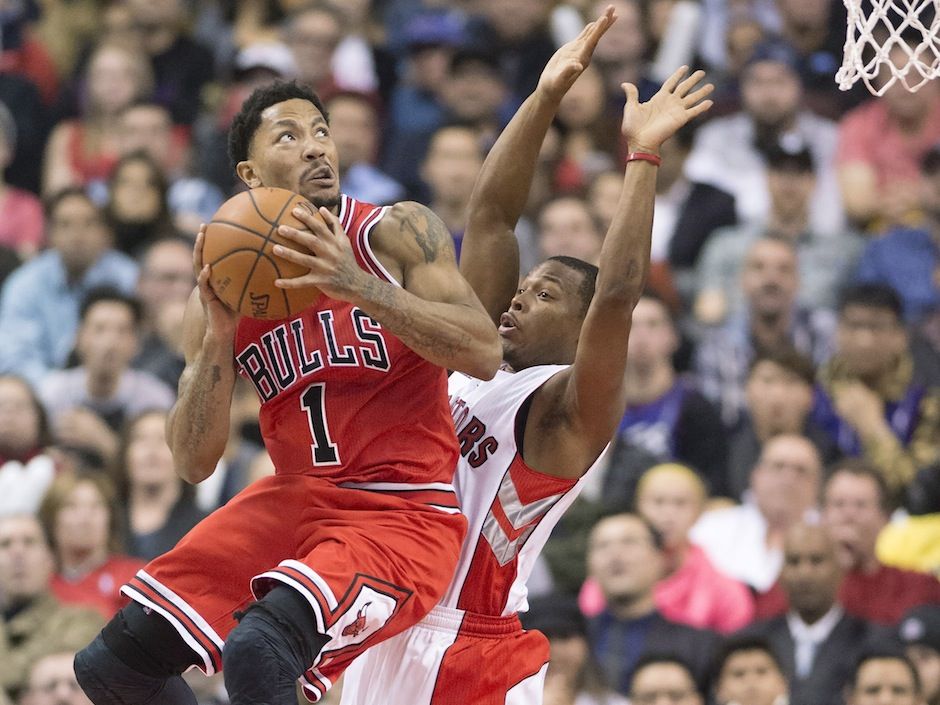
{"type": "Point", "coordinates": [528, 436]}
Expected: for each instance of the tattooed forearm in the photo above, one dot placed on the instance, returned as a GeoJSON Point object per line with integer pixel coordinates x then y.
{"type": "Point", "coordinates": [198, 427]}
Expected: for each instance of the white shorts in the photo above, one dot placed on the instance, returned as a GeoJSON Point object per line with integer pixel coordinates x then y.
{"type": "Point", "coordinates": [452, 657]}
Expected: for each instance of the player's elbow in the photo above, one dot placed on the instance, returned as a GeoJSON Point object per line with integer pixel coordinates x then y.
{"type": "Point", "coordinates": [193, 471]}
{"type": "Point", "coordinates": [490, 357]}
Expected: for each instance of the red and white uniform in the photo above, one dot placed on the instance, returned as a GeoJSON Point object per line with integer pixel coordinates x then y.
{"type": "Point", "coordinates": [472, 648]}
{"type": "Point", "coordinates": [360, 517]}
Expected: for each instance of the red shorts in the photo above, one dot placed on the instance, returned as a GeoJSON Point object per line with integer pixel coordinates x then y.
{"type": "Point", "coordinates": [452, 657]}
{"type": "Point", "coordinates": [370, 562]}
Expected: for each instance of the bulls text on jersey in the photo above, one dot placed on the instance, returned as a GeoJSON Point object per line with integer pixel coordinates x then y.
{"type": "Point", "coordinates": [284, 354]}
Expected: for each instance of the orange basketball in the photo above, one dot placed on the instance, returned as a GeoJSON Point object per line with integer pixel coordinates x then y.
{"type": "Point", "coordinates": [239, 245]}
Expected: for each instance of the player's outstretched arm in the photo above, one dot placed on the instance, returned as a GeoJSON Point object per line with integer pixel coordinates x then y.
{"type": "Point", "coordinates": [489, 257]}
{"type": "Point", "coordinates": [587, 401]}
{"type": "Point", "coordinates": [434, 312]}
{"type": "Point", "coordinates": [198, 425]}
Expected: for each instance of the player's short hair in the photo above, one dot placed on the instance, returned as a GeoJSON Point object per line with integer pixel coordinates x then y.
{"type": "Point", "coordinates": [886, 654]}
{"type": "Point", "coordinates": [109, 294]}
{"type": "Point", "coordinates": [588, 273]}
{"type": "Point", "coordinates": [872, 295]}
{"type": "Point", "coordinates": [788, 358]}
{"type": "Point", "coordinates": [859, 467]}
{"type": "Point", "coordinates": [248, 119]}
{"type": "Point", "coordinates": [737, 645]}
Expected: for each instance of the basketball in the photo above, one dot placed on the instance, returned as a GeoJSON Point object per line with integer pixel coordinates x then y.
{"type": "Point", "coordinates": [239, 244]}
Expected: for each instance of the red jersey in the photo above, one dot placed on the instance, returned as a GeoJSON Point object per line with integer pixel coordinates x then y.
{"type": "Point", "coordinates": [341, 397]}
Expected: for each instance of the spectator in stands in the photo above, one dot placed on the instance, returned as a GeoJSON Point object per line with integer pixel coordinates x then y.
{"type": "Point", "coordinates": [815, 30]}
{"type": "Point", "coordinates": [816, 641]}
{"type": "Point", "coordinates": [32, 622]}
{"type": "Point", "coordinates": [666, 415]}
{"type": "Point", "coordinates": [165, 284]}
{"type": "Point", "coordinates": [147, 127]}
{"type": "Point", "coordinates": [354, 123]}
{"type": "Point", "coordinates": [80, 517]}
{"type": "Point", "coordinates": [770, 319]}
{"type": "Point", "coordinates": [86, 149]}
{"type": "Point", "coordinates": [25, 468]}
{"type": "Point", "coordinates": [825, 259]}
{"type": "Point", "coordinates": [919, 631]}
{"type": "Point", "coordinates": [664, 676]}
{"type": "Point", "coordinates": [22, 226]}
{"type": "Point", "coordinates": [881, 146]}
{"type": "Point", "coordinates": [884, 678]}
{"type": "Point", "coordinates": [868, 399]}
{"type": "Point", "coordinates": [574, 676]}
{"type": "Point", "coordinates": [779, 398]}
{"type": "Point", "coordinates": [475, 91]}
{"type": "Point", "coordinates": [588, 133]}
{"type": "Point", "coordinates": [450, 170]}
{"type": "Point", "coordinates": [567, 227]}
{"type": "Point", "coordinates": [313, 31]}
{"type": "Point", "coordinates": [89, 403]}
{"type": "Point", "coordinates": [687, 212]}
{"type": "Point", "coordinates": [729, 151]}
{"type": "Point", "coordinates": [748, 672]}
{"type": "Point", "coordinates": [856, 507]}
{"type": "Point", "coordinates": [181, 65]}
{"type": "Point", "coordinates": [626, 557]}
{"type": "Point", "coordinates": [621, 53]}
{"type": "Point", "coordinates": [51, 681]}
{"type": "Point", "coordinates": [137, 205]}
{"type": "Point", "coordinates": [907, 258]}
{"type": "Point", "coordinates": [746, 541]}
{"type": "Point", "coordinates": [159, 508]}
{"type": "Point", "coordinates": [30, 117]}
{"type": "Point", "coordinates": [40, 301]}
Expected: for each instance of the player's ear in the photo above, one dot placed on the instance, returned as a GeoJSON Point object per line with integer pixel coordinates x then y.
{"type": "Point", "coordinates": [246, 172]}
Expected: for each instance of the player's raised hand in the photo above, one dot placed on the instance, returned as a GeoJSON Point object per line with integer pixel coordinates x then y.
{"type": "Point", "coordinates": [220, 319]}
{"type": "Point", "coordinates": [647, 125]}
{"type": "Point", "coordinates": [331, 263]}
{"type": "Point", "coordinates": [569, 62]}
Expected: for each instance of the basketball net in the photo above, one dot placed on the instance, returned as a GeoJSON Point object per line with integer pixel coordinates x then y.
{"type": "Point", "coordinates": [876, 28]}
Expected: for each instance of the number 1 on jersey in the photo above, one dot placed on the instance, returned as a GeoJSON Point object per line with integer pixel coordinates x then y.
{"type": "Point", "coordinates": [323, 449]}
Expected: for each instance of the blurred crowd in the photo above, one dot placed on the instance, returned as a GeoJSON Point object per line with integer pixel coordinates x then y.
{"type": "Point", "coordinates": [766, 523]}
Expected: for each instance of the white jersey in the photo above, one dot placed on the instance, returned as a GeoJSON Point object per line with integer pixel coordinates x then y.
{"type": "Point", "coordinates": [511, 508]}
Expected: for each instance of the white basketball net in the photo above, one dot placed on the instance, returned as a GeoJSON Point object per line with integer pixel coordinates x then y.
{"type": "Point", "coordinates": [867, 50]}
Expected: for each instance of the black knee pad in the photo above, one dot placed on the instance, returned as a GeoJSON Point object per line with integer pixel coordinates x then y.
{"type": "Point", "coordinates": [276, 640]}
{"type": "Point", "coordinates": [146, 642]}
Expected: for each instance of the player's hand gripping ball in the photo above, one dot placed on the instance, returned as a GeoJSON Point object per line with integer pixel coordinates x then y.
{"type": "Point", "coordinates": [238, 247]}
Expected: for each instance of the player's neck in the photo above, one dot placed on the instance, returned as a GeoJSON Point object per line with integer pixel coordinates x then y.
{"type": "Point", "coordinates": [646, 383]}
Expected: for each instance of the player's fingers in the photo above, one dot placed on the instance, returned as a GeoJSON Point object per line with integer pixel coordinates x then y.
{"type": "Point", "coordinates": [689, 83]}
{"type": "Point", "coordinates": [302, 282]}
{"type": "Point", "coordinates": [697, 110]}
{"type": "Point", "coordinates": [301, 237]}
{"type": "Point", "coordinates": [669, 85]}
{"type": "Point", "coordinates": [310, 218]}
{"type": "Point", "coordinates": [202, 281]}
{"type": "Point", "coordinates": [703, 92]}
{"type": "Point", "coordinates": [597, 28]}
{"type": "Point", "coordinates": [291, 255]}
{"type": "Point", "coordinates": [632, 93]}
{"type": "Point", "coordinates": [332, 221]}
{"type": "Point", "coordinates": [197, 250]}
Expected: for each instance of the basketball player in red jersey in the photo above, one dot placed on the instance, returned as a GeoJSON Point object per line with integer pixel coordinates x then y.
{"type": "Point", "coordinates": [356, 536]}
{"type": "Point", "coordinates": [528, 436]}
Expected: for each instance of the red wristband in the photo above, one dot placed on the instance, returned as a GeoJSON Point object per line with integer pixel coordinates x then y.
{"type": "Point", "coordinates": [654, 159]}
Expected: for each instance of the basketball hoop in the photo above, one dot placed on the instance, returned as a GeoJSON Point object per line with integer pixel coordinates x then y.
{"type": "Point", "coordinates": [875, 28]}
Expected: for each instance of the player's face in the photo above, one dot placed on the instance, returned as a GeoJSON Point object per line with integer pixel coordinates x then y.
{"type": "Point", "coordinates": [751, 678]}
{"type": "Point", "coordinates": [294, 150]}
{"type": "Point", "coordinates": [544, 319]}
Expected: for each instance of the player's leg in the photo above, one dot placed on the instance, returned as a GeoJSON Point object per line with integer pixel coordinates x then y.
{"type": "Point", "coordinates": [137, 659]}
{"type": "Point", "coordinates": [275, 642]}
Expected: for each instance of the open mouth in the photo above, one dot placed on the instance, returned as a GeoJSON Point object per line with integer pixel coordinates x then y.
{"type": "Point", "coordinates": [507, 324]}
{"type": "Point", "coordinates": [320, 175]}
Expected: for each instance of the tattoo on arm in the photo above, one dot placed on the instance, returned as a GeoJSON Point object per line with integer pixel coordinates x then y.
{"type": "Point", "coordinates": [428, 232]}
{"type": "Point", "coordinates": [216, 375]}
